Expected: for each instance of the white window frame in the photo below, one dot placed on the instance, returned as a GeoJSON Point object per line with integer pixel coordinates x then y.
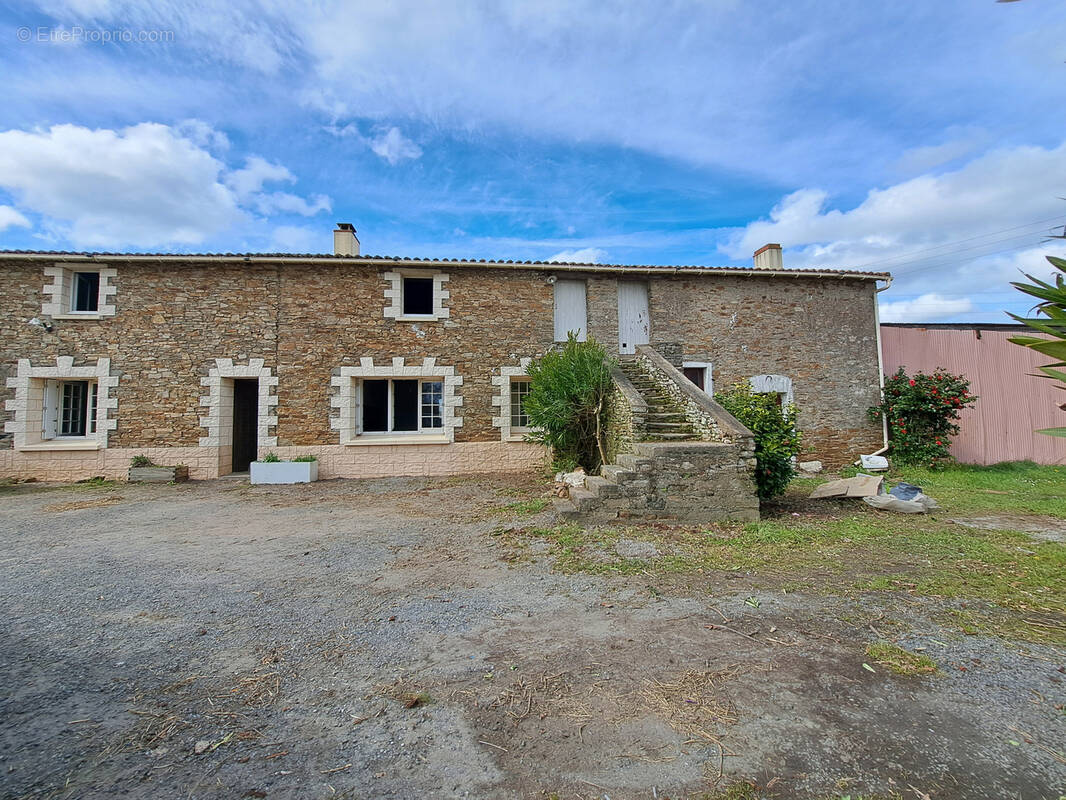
{"type": "Point", "coordinates": [708, 373]}
{"type": "Point", "coordinates": [347, 402]}
{"type": "Point", "coordinates": [561, 330]}
{"type": "Point", "coordinates": [55, 408]}
{"type": "Point", "coordinates": [36, 405]}
{"type": "Point", "coordinates": [502, 401]}
{"type": "Point", "coordinates": [58, 293]}
{"type": "Point", "coordinates": [394, 295]}
{"type": "Point", "coordinates": [391, 409]}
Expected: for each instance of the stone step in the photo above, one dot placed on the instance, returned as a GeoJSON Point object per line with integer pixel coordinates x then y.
{"type": "Point", "coordinates": [664, 425]}
{"type": "Point", "coordinates": [583, 499]}
{"type": "Point", "coordinates": [565, 510]}
{"type": "Point", "coordinates": [633, 462]}
{"type": "Point", "coordinates": [617, 473]}
{"type": "Point", "coordinates": [601, 487]}
{"type": "Point", "coordinates": [662, 436]}
{"type": "Point", "coordinates": [662, 416]}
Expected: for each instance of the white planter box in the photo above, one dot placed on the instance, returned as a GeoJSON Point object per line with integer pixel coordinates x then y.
{"type": "Point", "coordinates": [284, 471]}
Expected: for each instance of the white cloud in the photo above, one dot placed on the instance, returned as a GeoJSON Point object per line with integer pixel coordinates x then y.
{"type": "Point", "coordinates": [257, 171]}
{"type": "Point", "coordinates": [586, 255]}
{"type": "Point", "coordinates": [394, 147]}
{"type": "Point", "coordinates": [927, 157]}
{"type": "Point", "coordinates": [673, 79]}
{"type": "Point", "coordinates": [390, 144]}
{"type": "Point", "coordinates": [284, 202]}
{"type": "Point", "coordinates": [993, 202]}
{"type": "Point", "coordinates": [926, 308]}
{"type": "Point", "coordinates": [964, 233]}
{"type": "Point", "coordinates": [146, 185]}
{"type": "Point", "coordinates": [297, 239]}
{"type": "Point", "coordinates": [9, 217]}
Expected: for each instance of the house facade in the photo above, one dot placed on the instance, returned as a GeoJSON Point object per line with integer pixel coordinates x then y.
{"type": "Point", "coordinates": [386, 366]}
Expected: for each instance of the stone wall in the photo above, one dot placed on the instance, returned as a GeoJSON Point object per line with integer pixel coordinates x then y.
{"type": "Point", "coordinates": [690, 481]}
{"type": "Point", "coordinates": [819, 332]}
{"type": "Point", "coordinates": [305, 320]}
{"type": "Point", "coordinates": [625, 413]}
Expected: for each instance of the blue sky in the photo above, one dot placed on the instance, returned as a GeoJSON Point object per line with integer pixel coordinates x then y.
{"type": "Point", "coordinates": [922, 138]}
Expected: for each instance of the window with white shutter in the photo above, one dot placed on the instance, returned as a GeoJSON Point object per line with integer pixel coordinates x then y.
{"type": "Point", "coordinates": [571, 312]}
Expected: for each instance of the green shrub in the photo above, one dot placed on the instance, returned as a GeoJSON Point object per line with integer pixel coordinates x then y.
{"type": "Point", "coordinates": [270, 458]}
{"type": "Point", "coordinates": [777, 442]}
{"type": "Point", "coordinates": [565, 404]}
{"type": "Point", "coordinates": [921, 411]}
{"type": "Point", "coordinates": [141, 461]}
{"type": "Point", "coordinates": [1052, 323]}
{"type": "Point", "coordinates": [300, 459]}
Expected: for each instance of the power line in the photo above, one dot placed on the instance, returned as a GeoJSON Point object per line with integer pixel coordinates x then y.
{"type": "Point", "coordinates": [961, 241]}
{"type": "Point", "coordinates": [952, 261]}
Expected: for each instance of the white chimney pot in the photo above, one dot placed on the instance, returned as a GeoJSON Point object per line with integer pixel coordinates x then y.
{"type": "Point", "coordinates": [345, 242]}
{"type": "Point", "coordinates": [769, 257]}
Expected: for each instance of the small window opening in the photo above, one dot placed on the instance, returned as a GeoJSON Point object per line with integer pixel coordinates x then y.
{"type": "Point", "coordinates": [696, 375]}
{"type": "Point", "coordinates": [85, 293]}
{"type": "Point", "coordinates": [417, 296]}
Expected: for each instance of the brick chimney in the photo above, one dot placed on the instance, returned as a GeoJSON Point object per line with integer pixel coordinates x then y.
{"type": "Point", "coordinates": [345, 242]}
{"type": "Point", "coordinates": [768, 257]}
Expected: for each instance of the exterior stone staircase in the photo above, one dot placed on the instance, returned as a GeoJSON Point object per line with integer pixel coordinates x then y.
{"type": "Point", "coordinates": [665, 419]}
{"type": "Point", "coordinates": [683, 456]}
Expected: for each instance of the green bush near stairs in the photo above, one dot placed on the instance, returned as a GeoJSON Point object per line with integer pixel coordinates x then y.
{"type": "Point", "coordinates": [568, 390]}
{"type": "Point", "coordinates": [777, 442]}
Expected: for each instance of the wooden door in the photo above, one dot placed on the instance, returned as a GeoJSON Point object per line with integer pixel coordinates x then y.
{"type": "Point", "coordinates": [634, 323]}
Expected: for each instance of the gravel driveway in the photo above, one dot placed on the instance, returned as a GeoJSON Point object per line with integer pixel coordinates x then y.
{"type": "Point", "coordinates": [381, 639]}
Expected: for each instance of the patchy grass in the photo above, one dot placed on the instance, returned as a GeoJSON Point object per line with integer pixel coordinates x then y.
{"type": "Point", "coordinates": [900, 661]}
{"type": "Point", "coordinates": [846, 547]}
{"type": "Point", "coordinates": [1013, 486]}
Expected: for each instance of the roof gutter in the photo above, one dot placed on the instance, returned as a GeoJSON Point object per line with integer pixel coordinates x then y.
{"type": "Point", "coordinates": [423, 264]}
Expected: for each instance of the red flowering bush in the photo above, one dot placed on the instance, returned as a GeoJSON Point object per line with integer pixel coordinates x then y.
{"type": "Point", "coordinates": [921, 412]}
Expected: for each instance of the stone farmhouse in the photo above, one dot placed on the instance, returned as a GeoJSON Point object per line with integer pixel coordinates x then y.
{"type": "Point", "coordinates": [403, 366]}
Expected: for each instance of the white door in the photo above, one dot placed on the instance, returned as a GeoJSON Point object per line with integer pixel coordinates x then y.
{"type": "Point", "coordinates": [571, 313]}
{"type": "Point", "coordinates": [634, 324]}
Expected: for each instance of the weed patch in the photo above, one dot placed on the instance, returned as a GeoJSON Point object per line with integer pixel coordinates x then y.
{"type": "Point", "coordinates": [900, 661]}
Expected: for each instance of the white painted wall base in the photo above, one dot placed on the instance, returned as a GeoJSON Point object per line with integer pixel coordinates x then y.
{"type": "Point", "coordinates": [334, 461]}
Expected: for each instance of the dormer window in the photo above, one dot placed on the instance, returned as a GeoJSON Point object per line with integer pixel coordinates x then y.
{"type": "Point", "coordinates": [78, 291]}
{"type": "Point", "coordinates": [416, 295]}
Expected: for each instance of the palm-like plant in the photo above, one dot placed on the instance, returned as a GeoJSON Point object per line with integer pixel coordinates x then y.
{"type": "Point", "coordinates": [1049, 318]}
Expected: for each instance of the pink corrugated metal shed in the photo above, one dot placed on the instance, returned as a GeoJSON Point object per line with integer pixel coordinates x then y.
{"type": "Point", "coordinates": [1012, 403]}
